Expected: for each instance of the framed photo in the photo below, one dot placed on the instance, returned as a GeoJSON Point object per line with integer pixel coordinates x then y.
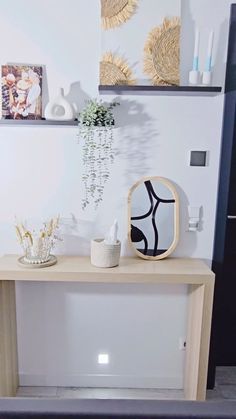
{"type": "Point", "coordinates": [21, 92]}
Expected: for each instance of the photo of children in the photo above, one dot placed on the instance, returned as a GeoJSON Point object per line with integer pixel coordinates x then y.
{"type": "Point", "coordinates": [21, 92]}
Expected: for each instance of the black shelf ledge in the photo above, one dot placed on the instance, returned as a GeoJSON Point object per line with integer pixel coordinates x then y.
{"type": "Point", "coordinates": [35, 122]}
{"type": "Point", "coordinates": [174, 90]}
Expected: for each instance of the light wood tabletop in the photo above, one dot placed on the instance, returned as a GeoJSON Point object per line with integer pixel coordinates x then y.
{"type": "Point", "coordinates": [79, 268]}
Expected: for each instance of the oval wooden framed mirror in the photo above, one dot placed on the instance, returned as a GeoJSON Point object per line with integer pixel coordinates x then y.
{"type": "Point", "coordinates": [153, 218]}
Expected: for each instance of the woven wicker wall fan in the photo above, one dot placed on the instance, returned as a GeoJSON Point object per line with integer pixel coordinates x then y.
{"type": "Point", "coordinates": [116, 12]}
{"type": "Point", "coordinates": [162, 53]}
{"type": "Point", "coordinates": [114, 70]}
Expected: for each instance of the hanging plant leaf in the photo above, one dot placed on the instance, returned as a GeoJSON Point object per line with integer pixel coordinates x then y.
{"type": "Point", "coordinates": [96, 124]}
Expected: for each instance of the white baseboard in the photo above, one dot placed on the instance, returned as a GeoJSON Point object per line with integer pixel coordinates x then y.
{"type": "Point", "coordinates": [112, 381]}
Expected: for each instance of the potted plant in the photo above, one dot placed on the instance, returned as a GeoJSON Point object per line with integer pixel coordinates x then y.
{"type": "Point", "coordinates": [96, 123]}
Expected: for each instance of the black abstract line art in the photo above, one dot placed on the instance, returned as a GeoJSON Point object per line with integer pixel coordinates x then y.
{"type": "Point", "coordinates": [137, 235]}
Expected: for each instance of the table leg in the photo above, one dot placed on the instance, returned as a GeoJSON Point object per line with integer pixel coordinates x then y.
{"type": "Point", "coordinates": [198, 340]}
{"type": "Point", "coordinates": [8, 340]}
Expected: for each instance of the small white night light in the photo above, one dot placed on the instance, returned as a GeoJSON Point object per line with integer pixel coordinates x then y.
{"type": "Point", "coordinates": [103, 358]}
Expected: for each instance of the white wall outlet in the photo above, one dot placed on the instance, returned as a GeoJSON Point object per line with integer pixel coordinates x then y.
{"type": "Point", "coordinates": [182, 344]}
{"type": "Point", "coordinates": [194, 214]}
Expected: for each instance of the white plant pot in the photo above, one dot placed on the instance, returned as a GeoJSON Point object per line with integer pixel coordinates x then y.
{"type": "Point", "coordinates": [105, 255]}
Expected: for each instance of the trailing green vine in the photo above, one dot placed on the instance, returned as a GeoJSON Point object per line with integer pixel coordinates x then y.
{"type": "Point", "coordinates": [96, 123]}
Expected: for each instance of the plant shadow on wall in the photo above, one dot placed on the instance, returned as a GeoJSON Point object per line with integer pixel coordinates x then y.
{"type": "Point", "coordinates": [77, 234]}
{"type": "Point", "coordinates": [74, 236]}
{"type": "Point", "coordinates": [137, 140]}
{"type": "Point", "coordinates": [96, 123]}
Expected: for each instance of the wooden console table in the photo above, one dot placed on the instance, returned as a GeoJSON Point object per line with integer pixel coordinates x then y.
{"type": "Point", "coordinates": [192, 272]}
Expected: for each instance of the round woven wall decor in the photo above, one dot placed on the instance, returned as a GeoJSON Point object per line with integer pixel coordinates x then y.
{"type": "Point", "coordinates": [115, 70]}
{"type": "Point", "coordinates": [162, 53]}
{"type": "Point", "coordinates": [116, 12]}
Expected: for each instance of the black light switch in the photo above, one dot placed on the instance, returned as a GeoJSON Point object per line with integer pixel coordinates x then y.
{"type": "Point", "coordinates": [198, 158]}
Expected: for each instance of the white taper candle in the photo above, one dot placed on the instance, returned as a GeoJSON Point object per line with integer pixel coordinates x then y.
{"type": "Point", "coordinates": [197, 41]}
{"type": "Point", "coordinates": [210, 44]}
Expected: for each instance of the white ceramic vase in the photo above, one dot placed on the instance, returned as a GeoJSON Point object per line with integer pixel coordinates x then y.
{"type": "Point", "coordinates": [59, 109]}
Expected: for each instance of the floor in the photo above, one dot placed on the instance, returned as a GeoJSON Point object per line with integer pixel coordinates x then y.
{"type": "Point", "coordinates": [225, 389]}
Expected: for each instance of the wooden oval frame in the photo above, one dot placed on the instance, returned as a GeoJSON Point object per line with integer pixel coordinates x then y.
{"type": "Point", "coordinates": [171, 187]}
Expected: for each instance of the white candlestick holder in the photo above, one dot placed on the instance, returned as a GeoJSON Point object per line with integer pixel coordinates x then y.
{"type": "Point", "coordinates": [207, 78]}
{"type": "Point", "coordinates": [194, 77]}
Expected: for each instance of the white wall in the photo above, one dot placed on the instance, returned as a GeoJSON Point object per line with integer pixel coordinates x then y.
{"type": "Point", "coordinates": [61, 328]}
